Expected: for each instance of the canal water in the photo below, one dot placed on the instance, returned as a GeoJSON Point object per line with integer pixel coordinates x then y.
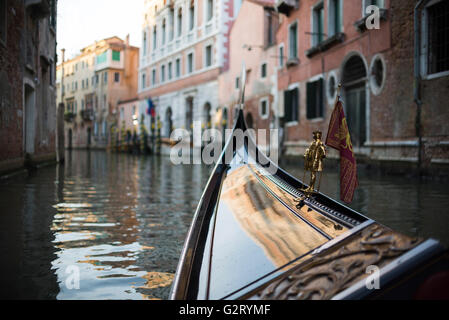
{"type": "Point", "coordinates": [112, 226]}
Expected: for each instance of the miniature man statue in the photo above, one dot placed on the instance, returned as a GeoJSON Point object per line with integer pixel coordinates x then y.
{"type": "Point", "coordinates": [313, 159]}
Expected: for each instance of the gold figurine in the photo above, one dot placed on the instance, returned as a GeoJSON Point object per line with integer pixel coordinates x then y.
{"type": "Point", "coordinates": [313, 161]}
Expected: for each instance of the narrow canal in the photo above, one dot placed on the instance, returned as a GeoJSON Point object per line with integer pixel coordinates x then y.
{"type": "Point", "coordinates": [119, 222]}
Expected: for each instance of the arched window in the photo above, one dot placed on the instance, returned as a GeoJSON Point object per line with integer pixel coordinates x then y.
{"type": "Point", "coordinates": [191, 15]}
{"type": "Point", "coordinates": [172, 24]}
{"type": "Point", "coordinates": [179, 33]}
{"type": "Point", "coordinates": [164, 30]}
{"type": "Point", "coordinates": [144, 43]}
{"type": "Point", "coordinates": [154, 37]}
{"type": "Point", "coordinates": [210, 10]}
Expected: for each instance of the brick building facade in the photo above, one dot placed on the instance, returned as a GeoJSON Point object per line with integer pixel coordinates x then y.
{"type": "Point", "coordinates": [327, 42]}
{"type": "Point", "coordinates": [27, 82]}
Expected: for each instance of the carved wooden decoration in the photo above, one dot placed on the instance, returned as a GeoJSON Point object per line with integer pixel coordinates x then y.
{"type": "Point", "coordinates": [339, 267]}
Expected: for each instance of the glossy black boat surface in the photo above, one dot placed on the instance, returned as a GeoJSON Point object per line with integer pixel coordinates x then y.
{"type": "Point", "coordinates": [249, 239]}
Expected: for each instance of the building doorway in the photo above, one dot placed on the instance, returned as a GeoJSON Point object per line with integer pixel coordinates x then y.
{"type": "Point", "coordinates": [30, 115]}
{"type": "Point", "coordinates": [354, 83]}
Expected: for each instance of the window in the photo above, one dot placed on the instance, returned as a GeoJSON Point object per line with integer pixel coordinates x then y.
{"type": "Point", "coordinates": [82, 84]}
{"type": "Point", "coordinates": [291, 105]}
{"type": "Point", "coordinates": [237, 83]}
{"type": "Point", "coordinates": [190, 67]}
{"type": "Point", "coordinates": [144, 43]}
{"type": "Point", "coordinates": [82, 104]}
{"type": "Point", "coordinates": [115, 55]}
{"type": "Point", "coordinates": [331, 88]}
{"type": "Point", "coordinates": [191, 16]}
{"type": "Point", "coordinates": [171, 21]}
{"type": "Point", "coordinates": [117, 77]}
{"type": "Point", "coordinates": [178, 68]}
{"type": "Point", "coordinates": [163, 32]}
{"type": "Point", "coordinates": [264, 108]}
{"type": "Point", "coordinates": [318, 24]}
{"type": "Point", "coordinates": [281, 56]}
{"type": "Point", "coordinates": [377, 3]}
{"type": "Point", "coordinates": [52, 13]}
{"type": "Point", "coordinates": [208, 60]}
{"type": "Point", "coordinates": [153, 77]}
{"type": "Point", "coordinates": [335, 17]}
{"type": "Point", "coordinates": [163, 73]}
{"type": "Point", "coordinates": [210, 9]}
{"type": "Point", "coordinates": [315, 103]}
{"type": "Point", "coordinates": [144, 80]}
{"type": "Point", "coordinates": [179, 33]}
{"type": "Point", "coordinates": [170, 71]}
{"type": "Point", "coordinates": [293, 44]}
{"type": "Point", "coordinates": [87, 83]}
{"type": "Point", "coordinates": [263, 70]}
{"type": "Point", "coordinates": [101, 58]}
{"type": "Point", "coordinates": [154, 37]}
{"type": "Point", "coordinates": [438, 37]}
{"type": "Point", "coordinates": [105, 78]}
{"type": "Point", "coordinates": [377, 74]}
{"type": "Point", "coordinates": [271, 22]}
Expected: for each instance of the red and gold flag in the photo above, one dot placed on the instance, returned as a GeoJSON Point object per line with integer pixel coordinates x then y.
{"type": "Point", "coordinates": [338, 138]}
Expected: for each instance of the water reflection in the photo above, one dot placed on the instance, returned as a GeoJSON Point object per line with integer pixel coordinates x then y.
{"type": "Point", "coordinates": [119, 220]}
{"type": "Point", "coordinates": [122, 220]}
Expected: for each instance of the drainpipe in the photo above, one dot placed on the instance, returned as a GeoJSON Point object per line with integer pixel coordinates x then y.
{"type": "Point", "coordinates": [417, 84]}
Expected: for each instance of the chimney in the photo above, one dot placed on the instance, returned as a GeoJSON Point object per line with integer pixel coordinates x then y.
{"type": "Point", "coordinates": [127, 40]}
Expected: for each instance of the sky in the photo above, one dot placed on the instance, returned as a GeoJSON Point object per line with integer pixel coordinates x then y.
{"type": "Point", "coordinates": [81, 22]}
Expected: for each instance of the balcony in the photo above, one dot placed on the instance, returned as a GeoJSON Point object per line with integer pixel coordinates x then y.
{"type": "Point", "coordinates": [87, 114]}
{"type": "Point", "coordinates": [293, 61]}
{"type": "Point", "coordinates": [326, 44]}
{"type": "Point", "coordinates": [69, 116]}
{"type": "Point", "coordinates": [285, 6]}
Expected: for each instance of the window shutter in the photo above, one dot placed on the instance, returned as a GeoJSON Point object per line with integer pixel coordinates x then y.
{"type": "Point", "coordinates": [295, 104]}
{"type": "Point", "coordinates": [288, 106]}
{"type": "Point", "coordinates": [320, 93]}
{"type": "Point", "coordinates": [311, 100]}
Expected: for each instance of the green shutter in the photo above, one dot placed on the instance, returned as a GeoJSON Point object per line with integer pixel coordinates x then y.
{"type": "Point", "coordinates": [115, 55]}
{"type": "Point", "coordinates": [311, 100]}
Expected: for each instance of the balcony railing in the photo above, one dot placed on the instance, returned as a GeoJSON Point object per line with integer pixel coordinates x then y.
{"type": "Point", "coordinates": [69, 116]}
{"type": "Point", "coordinates": [87, 114]}
{"type": "Point", "coordinates": [285, 6]}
